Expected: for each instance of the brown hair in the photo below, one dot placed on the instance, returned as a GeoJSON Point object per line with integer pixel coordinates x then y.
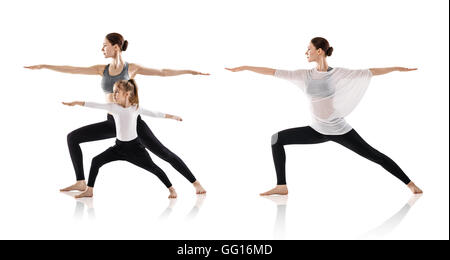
{"type": "Point", "coordinates": [117, 38]}
{"type": "Point", "coordinates": [129, 86]}
{"type": "Point", "coordinates": [322, 43]}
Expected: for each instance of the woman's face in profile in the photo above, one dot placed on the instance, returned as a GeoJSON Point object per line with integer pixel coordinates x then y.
{"type": "Point", "coordinates": [107, 49]}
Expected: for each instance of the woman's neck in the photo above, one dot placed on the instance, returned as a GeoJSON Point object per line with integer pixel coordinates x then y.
{"type": "Point", "coordinates": [322, 64]}
{"type": "Point", "coordinates": [117, 61]}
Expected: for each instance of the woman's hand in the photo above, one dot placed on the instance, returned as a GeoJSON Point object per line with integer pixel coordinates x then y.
{"type": "Point", "coordinates": [405, 69]}
{"type": "Point", "coordinates": [73, 103]}
{"type": "Point", "coordinates": [199, 73]}
{"type": "Point", "coordinates": [35, 67]}
{"type": "Point", "coordinates": [241, 68]}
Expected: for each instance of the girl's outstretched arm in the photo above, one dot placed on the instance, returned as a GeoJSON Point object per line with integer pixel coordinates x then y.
{"type": "Point", "coordinates": [173, 117]}
{"type": "Point", "coordinates": [108, 106]}
{"type": "Point", "coordinates": [146, 112]}
{"type": "Point", "coordinates": [381, 71]}
{"type": "Point", "coordinates": [73, 103]}
{"type": "Point", "coordinates": [260, 70]}
{"type": "Point", "coordinates": [138, 69]}
{"type": "Point", "coordinates": [93, 70]}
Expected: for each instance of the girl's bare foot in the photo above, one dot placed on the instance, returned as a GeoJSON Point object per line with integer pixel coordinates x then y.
{"type": "Point", "coordinates": [198, 188]}
{"type": "Point", "coordinates": [278, 190]}
{"type": "Point", "coordinates": [173, 194]}
{"type": "Point", "coordinates": [414, 188]}
{"type": "Point", "coordinates": [79, 185]}
{"type": "Point", "coordinates": [88, 193]}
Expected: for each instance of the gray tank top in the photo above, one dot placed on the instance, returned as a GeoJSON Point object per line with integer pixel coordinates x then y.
{"type": "Point", "coordinates": [108, 80]}
{"type": "Point", "coordinates": [319, 88]}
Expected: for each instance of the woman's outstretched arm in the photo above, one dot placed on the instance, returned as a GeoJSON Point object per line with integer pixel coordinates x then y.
{"type": "Point", "coordinates": [93, 70]}
{"type": "Point", "coordinates": [381, 71]}
{"type": "Point", "coordinates": [260, 70]}
{"type": "Point", "coordinates": [138, 69]}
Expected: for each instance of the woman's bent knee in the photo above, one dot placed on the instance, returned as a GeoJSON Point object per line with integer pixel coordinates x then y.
{"type": "Point", "coordinates": [274, 139]}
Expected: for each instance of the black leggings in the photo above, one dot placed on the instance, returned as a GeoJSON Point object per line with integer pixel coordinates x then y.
{"type": "Point", "coordinates": [351, 140]}
{"type": "Point", "coordinates": [107, 129]}
{"type": "Point", "coordinates": [132, 151]}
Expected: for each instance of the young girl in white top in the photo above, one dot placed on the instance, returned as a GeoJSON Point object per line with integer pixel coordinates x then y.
{"type": "Point", "coordinates": [125, 111]}
{"type": "Point", "coordinates": [333, 93]}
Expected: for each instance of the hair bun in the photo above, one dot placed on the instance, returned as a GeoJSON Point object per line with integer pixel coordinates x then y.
{"type": "Point", "coordinates": [329, 51]}
{"type": "Point", "coordinates": [124, 45]}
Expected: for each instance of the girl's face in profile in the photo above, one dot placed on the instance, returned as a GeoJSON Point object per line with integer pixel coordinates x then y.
{"type": "Point", "coordinates": [119, 95]}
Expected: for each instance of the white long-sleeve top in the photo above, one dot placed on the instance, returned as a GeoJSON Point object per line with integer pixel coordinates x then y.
{"type": "Point", "coordinates": [125, 118]}
{"type": "Point", "coordinates": [332, 94]}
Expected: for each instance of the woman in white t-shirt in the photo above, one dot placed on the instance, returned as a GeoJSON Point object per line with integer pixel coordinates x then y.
{"type": "Point", "coordinates": [125, 110]}
{"type": "Point", "coordinates": [333, 93]}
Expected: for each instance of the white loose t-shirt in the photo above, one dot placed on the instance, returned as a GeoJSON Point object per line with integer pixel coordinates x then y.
{"type": "Point", "coordinates": [332, 94]}
{"type": "Point", "coordinates": [125, 118]}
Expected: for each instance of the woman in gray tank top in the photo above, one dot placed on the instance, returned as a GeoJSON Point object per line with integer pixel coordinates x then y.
{"type": "Point", "coordinates": [113, 46]}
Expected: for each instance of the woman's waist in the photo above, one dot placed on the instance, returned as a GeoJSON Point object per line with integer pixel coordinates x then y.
{"type": "Point", "coordinates": [336, 126]}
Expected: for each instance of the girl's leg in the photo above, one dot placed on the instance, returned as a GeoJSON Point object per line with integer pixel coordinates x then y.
{"type": "Point", "coordinates": [111, 154]}
{"type": "Point", "coordinates": [89, 133]}
{"type": "Point", "coordinates": [354, 142]}
{"type": "Point", "coordinates": [149, 140]}
{"type": "Point", "coordinates": [300, 135]}
{"type": "Point", "coordinates": [140, 157]}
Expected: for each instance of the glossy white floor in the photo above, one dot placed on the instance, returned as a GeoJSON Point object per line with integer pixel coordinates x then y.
{"type": "Point", "coordinates": [354, 199]}
{"type": "Point", "coordinates": [228, 121]}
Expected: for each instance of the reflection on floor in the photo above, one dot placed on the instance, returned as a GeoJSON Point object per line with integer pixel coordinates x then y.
{"type": "Point", "coordinates": [89, 203]}
{"type": "Point", "coordinates": [381, 231]}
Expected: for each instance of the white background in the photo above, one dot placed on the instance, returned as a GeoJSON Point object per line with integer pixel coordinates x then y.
{"type": "Point", "coordinates": [228, 120]}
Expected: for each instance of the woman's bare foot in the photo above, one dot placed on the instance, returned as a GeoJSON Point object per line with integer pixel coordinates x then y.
{"type": "Point", "coordinates": [88, 193]}
{"type": "Point", "coordinates": [414, 188]}
{"type": "Point", "coordinates": [198, 188]}
{"type": "Point", "coordinates": [173, 194]}
{"type": "Point", "coordinates": [278, 190]}
{"type": "Point", "coordinates": [79, 185]}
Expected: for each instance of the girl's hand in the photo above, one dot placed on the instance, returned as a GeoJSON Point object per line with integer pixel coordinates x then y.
{"type": "Point", "coordinates": [174, 117]}
{"type": "Point", "coordinates": [405, 69]}
{"type": "Point", "coordinates": [177, 118]}
{"type": "Point", "coordinates": [35, 67]}
{"type": "Point", "coordinates": [73, 103]}
{"type": "Point", "coordinates": [241, 68]}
